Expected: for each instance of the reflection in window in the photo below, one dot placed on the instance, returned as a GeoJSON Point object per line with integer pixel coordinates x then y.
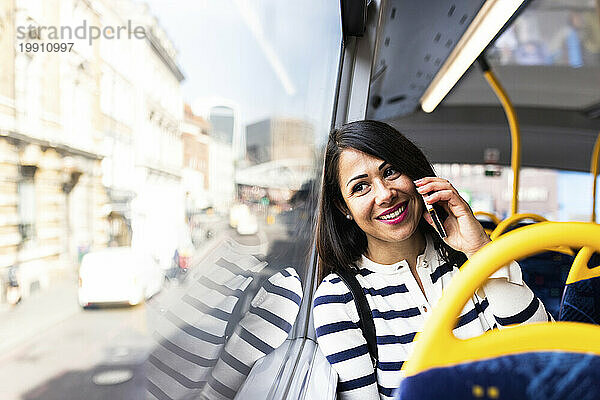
{"type": "Point", "coordinates": [122, 162]}
{"type": "Point", "coordinates": [550, 32]}
{"type": "Point", "coordinates": [234, 310]}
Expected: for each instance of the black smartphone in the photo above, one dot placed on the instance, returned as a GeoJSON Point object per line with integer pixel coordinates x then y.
{"type": "Point", "coordinates": [438, 215]}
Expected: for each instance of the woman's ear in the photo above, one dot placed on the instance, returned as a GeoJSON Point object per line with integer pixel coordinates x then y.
{"type": "Point", "coordinates": [342, 208]}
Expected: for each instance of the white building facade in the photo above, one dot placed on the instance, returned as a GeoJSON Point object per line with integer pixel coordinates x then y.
{"type": "Point", "coordinates": [90, 139]}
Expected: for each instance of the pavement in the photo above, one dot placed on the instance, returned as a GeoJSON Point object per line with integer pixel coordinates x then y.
{"type": "Point", "coordinates": [37, 313]}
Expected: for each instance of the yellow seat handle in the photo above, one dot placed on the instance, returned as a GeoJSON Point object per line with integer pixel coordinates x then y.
{"type": "Point", "coordinates": [513, 219]}
{"type": "Point", "coordinates": [579, 270]}
{"type": "Point", "coordinates": [436, 346]}
{"type": "Point", "coordinates": [491, 216]}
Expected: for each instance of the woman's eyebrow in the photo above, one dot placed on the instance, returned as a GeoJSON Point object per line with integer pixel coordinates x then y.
{"type": "Point", "coordinates": [383, 164]}
{"type": "Point", "coordinates": [356, 177]}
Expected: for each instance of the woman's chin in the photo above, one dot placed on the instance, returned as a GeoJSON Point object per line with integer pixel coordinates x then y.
{"type": "Point", "coordinates": [400, 234]}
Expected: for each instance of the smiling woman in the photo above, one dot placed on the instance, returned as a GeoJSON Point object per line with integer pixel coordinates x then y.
{"type": "Point", "coordinates": [373, 225]}
{"type": "Point", "coordinates": [382, 195]}
{"type": "Point", "coordinates": [369, 170]}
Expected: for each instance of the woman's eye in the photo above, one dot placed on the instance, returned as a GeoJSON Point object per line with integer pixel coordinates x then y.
{"type": "Point", "coordinates": [390, 172]}
{"type": "Point", "coordinates": [359, 187]}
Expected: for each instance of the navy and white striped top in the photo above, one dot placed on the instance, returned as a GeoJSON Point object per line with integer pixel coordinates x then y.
{"type": "Point", "coordinates": [399, 310]}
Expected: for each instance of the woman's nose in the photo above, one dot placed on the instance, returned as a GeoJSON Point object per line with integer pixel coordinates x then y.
{"type": "Point", "coordinates": [383, 194]}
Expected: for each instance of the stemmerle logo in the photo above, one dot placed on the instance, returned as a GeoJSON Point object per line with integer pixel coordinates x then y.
{"type": "Point", "coordinates": [83, 31]}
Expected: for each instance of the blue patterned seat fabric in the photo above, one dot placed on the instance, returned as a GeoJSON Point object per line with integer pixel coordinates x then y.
{"type": "Point", "coordinates": [545, 273]}
{"type": "Point", "coordinates": [581, 300]}
{"type": "Point", "coordinates": [539, 376]}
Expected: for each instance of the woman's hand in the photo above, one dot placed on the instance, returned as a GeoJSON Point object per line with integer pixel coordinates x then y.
{"type": "Point", "coordinates": [464, 232]}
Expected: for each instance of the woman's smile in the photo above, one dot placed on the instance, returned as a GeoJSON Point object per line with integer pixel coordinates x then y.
{"type": "Point", "coordinates": [395, 214]}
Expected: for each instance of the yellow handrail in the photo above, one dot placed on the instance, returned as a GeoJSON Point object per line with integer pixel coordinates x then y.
{"type": "Point", "coordinates": [513, 219]}
{"type": "Point", "coordinates": [436, 346]}
{"type": "Point", "coordinates": [594, 171]}
{"type": "Point", "coordinates": [515, 134]}
{"type": "Point", "coordinates": [580, 271]}
{"type": "Point", "coordinates": [491, 216]}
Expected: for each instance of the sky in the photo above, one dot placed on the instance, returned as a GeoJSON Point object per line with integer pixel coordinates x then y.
{"type": "Point", "coordinates": [270, 58]}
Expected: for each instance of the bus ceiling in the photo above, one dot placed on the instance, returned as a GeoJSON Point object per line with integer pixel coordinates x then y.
{"type": "Point", "coordinates": [417, 39]}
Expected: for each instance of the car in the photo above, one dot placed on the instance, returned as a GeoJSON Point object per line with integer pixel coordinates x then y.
{"type": "Point", "coordinates": [118, 275]}
{"type": "Point", "coordinates": [247, 224]}
{"type": "Point", "coordinates": [236, 212]}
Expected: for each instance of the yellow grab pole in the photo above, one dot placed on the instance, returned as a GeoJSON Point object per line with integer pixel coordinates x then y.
{"type": "Point", "coordinates": [515, 133]}
{"type": "Point", "coordinates": [594, 171]}
{"type": "Point", "coordinates": [580, 269]}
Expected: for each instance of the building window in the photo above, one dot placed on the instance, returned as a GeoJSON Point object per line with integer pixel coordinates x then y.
{"type": "Point", "coordinates": [26, 204]}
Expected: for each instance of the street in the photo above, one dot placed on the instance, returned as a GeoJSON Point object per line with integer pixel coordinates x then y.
{"type": "Point", "coordinates": [62, 360]}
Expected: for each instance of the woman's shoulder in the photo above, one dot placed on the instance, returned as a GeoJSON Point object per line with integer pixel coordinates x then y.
{"type": "Point", "coordinates": [332, 290]}
{"type": "Point", "coordinates": [332, 284]}
{"type": "Point", "coordinates": [333, 302]}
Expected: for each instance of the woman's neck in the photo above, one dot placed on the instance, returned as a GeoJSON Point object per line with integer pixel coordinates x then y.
{"type": "Point", "coordinates": [391, 252]}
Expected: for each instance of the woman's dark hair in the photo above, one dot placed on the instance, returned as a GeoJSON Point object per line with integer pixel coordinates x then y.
{"type": "Point", "coordinates": [340, 242]}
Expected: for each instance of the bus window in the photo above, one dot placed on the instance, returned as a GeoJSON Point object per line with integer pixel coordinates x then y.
{"type": "Point", "coordinates": [159, 169]}
{"type": "Point", "coordinates": [553, 34]}
{"type": "Point", "coordinates": [557, 195]}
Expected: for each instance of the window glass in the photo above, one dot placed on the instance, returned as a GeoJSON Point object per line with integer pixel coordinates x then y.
{"type": "Point", "coordinates": [159, 164]}
{"type": "Point", "coordinates": [26, 206]}
{"type": "Point", "coordinates": [556, 195]}
{"type": "Point", "coordinates": [552, 32]}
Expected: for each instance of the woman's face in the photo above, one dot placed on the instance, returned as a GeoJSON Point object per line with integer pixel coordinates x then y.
{"type": "Point", "coordinates": [383, 202]}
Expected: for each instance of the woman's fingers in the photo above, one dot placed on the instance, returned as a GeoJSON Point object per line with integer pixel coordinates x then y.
{"type": "Point", "coordinates": [432, 185]}
{"type": "Point", "coordinates": [440, 195]}
{"type": "Point", "coordinates": [428, 179]}
{"type": "Point", "coordinates": [464, 232]}
{"type": "Point", "coordinates": [442, 190]}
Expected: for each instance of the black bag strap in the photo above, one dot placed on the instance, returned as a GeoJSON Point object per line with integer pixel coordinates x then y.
{"type": "Point", "coordinates": [365, 322]}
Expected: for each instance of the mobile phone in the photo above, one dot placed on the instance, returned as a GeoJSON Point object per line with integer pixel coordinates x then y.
{"type": "Point", "coordinates": [439, 215]}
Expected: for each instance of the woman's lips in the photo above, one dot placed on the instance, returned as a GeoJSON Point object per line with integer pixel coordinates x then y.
{"type": "Point", "coordinates": [391, 210]}
{"type": "Point", "coordinates": [397, 219]}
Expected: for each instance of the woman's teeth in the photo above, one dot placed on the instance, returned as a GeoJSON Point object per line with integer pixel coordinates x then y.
{"type": "Point", "coordinates": [393, 215]}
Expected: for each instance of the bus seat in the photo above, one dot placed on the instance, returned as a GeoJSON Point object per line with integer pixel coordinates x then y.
{"type": "Point", "coordinates": [581, 297]}
{"type": "Point", "coordinates": [557, 360]}
{"type": "Point", "coordinates": [545, 274]}
{"type": "Point", "coordinates": [517, 376]}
